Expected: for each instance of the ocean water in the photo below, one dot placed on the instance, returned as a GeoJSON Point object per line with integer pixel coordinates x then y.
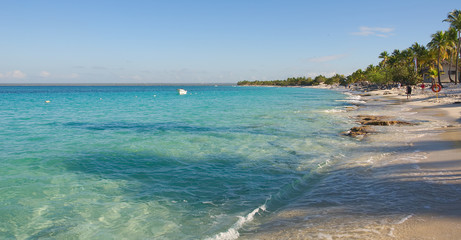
{"type": "Point", "coordinates": [146, 163]}
{"type": "Point", "coordinates": [218, 163]}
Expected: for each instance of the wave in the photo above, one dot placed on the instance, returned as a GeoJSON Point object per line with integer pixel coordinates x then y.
{"type": "Point", "coordinates": [232, 233]}
{"type": "Point", "coordinates": [334, 110]}
{"type": "Point", "coordinates": [352, 101]}
{"type": "Point", "coordinates": [287, 193]}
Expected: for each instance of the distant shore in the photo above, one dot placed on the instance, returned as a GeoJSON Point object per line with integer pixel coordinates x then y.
{"type": "Point", "coordinates": [113, 84]}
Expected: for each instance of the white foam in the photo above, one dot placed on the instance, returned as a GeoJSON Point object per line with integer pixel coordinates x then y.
{"type": "Point", "coordinates": [324, 236]}
{"type": "Point", "coordinates": [334, 110]}
{"type": "Point", "coordinates": [404, 219]}
{"type": "Point", "coordinates": [391, 232]}
{"type": "Point", "coordinates": [366, 230]}
{"type": "Point", "coordinates": [209, 202]}
{"type": "Point", "coordinates": [352, 96]}
{"type": "Point", "coordinates": [352, 101]}
{"type": "Point", "coordinates": [232, 233]}
{"type": "Point", "coordinates": [356, 101]}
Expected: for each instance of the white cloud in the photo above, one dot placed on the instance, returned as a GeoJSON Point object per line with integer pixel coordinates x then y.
{"type": "Point", "coordinates": [44, 74]}
{"type": "Point", "coordinates": [16, 74]}
{"type": "Point", "coordinates": [374, 31]}
{"type": "Point", "coordinates": [326, 58]}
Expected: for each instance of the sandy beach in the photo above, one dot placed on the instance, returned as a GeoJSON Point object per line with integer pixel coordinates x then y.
{"type": "Point", "coordinates": [442, 166]}
{"type": "Point", "coordinates": [423, 160]}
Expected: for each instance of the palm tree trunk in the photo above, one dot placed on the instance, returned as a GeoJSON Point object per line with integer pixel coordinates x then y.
{"type": "Point", "coordinates": [449, 68]}
{"type": "Point", "coordinates": [438, 69]}
{"type": "Point", "coordinates": [457, 67]}
{"type": "Point", "coordinates": [457, 58]}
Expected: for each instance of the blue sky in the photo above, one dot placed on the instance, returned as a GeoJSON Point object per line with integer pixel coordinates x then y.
{"type": "Point", "coordinates": [204, 41]}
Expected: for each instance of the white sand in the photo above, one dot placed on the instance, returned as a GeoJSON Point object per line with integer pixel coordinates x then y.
{"type": "Point", "coordinates": [443, 159]}
{"type": "Point", "coordinates": [438, 166]}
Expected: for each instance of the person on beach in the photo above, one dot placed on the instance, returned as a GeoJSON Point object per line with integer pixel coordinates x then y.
{"type": "Point", "coordinates": [422, 87]}
{"type": "Point", "coordinates": [408, 91]}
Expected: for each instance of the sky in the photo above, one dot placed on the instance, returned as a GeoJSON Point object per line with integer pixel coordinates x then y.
{"type": "Point", "coordinates": [205, 41]}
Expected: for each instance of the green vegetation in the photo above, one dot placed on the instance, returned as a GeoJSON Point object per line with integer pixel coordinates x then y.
{"type": "Point", "coordinates": [408, 66]}
{"type": "Point", "coordinates": [454, 18]}
{"type": "Point", "coordinates": [297, 81]}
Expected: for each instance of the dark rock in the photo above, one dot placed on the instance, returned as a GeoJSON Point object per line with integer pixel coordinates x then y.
{"type": "Point", "coordinates": [380, 121]}
{"type": "Point", "coordinates": [358, 131]}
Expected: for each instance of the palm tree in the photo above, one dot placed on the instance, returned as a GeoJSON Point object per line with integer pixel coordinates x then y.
{"type": "Point", "coordinates": [357, 76]}
{"type": "Point", "coordinates": [451, 49]}
{"type": "Point", "coordinates": [385, 56]}
{"type": "Point", "coordinates": [439, 44]}
{"type": "Point", "coordinates": [454, 18]}
{"type": "Point", "coordinates": [395, 57]}
{"type": "Point", "coordinates": [433, 73]}
{"type": "Point", "coordinates": [418, 52]}
{"type": "Point", "coordinates": [407, 55]}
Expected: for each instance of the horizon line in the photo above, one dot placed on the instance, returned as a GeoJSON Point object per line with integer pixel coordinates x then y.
{"type": "Point", "coordinates": [111, 84]}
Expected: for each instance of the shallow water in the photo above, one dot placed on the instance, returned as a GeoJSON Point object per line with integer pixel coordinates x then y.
{"type": "Point", "coordinates": [218, 163]}
{"type": "Point", "coordinates": [382, 183]}
{"type": "Point", "coordinates": [146, 163]}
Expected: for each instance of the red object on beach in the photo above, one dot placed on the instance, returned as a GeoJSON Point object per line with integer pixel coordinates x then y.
{"type": "Point", "coordinates": [423, 86]}
{"type": "Point", "coordinates": [436, 88]}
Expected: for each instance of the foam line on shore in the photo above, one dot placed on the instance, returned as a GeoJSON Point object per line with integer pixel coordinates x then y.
{"type": "Point", "coordinates": [419, 162]}
{"type": "Point", "coordinates": [233, 232]}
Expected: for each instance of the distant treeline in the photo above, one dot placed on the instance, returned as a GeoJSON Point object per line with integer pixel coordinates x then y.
{"type": "Point", "coordinates": [408, 66]}
{"type": "Point", "coordinates": [297, 81]}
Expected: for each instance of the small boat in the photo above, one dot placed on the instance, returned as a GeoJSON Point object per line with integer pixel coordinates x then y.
{"type": "Point", "coordinates": [182, 91]}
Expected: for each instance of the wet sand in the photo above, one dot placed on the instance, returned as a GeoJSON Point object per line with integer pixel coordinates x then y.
{"type": "Point", "coordinates": [442, 166]}
{"type": "Point", "coordinates": [427, 166]}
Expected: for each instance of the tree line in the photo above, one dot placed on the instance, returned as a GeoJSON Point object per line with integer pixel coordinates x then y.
{"type": "Point", "coordinates": [296, 81]}
{"type": "Point", "coordinates": [409, 66]}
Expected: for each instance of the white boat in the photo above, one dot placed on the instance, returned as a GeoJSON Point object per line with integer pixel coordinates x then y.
{"type": "Point", "coordinates": [182, 91]}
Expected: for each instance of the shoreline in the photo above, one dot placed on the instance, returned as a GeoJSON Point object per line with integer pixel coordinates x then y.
{"type": "Point", "coordinates": [441, 166]}
{"type": "Point", "coordinates": [423, 158]}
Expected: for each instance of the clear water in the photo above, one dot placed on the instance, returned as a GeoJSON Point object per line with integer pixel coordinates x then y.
{"type": "Point", "coordinates": [147, 163]}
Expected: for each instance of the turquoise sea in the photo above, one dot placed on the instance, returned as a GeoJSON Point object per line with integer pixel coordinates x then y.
{"type": "Point", "coordinates": [143, 162]}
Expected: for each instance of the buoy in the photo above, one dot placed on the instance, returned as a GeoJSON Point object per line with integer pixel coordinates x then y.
{"type": "Point", "coordinates": [436, 88]}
